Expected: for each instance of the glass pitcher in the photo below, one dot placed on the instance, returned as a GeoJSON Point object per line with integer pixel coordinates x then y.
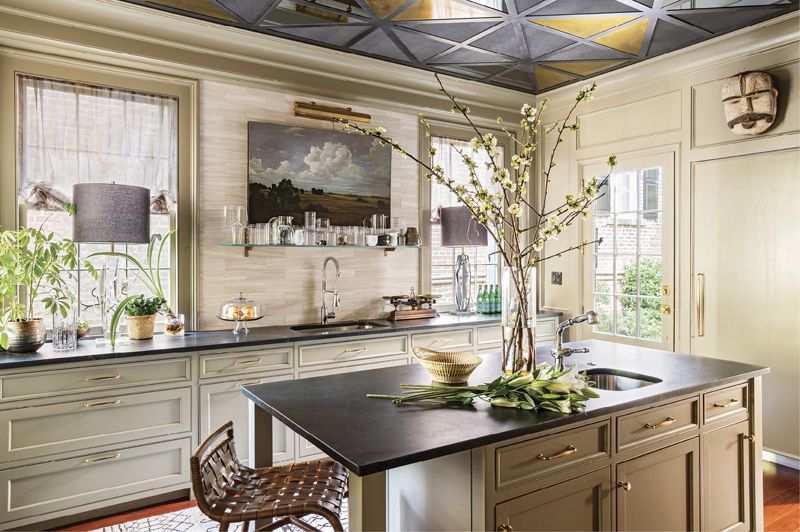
{"type": "Point", "coordinates": [285, 230]}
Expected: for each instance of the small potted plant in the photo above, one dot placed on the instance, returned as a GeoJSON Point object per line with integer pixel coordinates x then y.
{"type": "Point", "coordinates": [140, 313]}
{"type": "Point", "coordinates": [32, 266]}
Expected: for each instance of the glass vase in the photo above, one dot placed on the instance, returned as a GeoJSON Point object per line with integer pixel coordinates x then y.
{"type": "Point", "coordinates": [518, 307]}
{"type": "Point", "coordinates": [65, 331]}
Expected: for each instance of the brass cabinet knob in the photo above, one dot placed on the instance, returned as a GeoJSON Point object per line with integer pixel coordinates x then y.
{"type": "Point", "coordinates": [505, 527]}
{"type": "Point", "coordinates": [749, 437]}
{"type": "Point", "coordinates": [624, 485]}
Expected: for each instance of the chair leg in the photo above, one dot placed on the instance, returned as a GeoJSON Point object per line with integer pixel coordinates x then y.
{"type": "Point", "coordinates": [278, 523]}
{"type": "Point", "coordinates": [223, 527]}
{"type": "Point", "coordinates": [299, 523]}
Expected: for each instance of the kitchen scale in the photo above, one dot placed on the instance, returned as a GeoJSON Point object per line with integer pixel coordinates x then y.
{"type": "Point", "coordinates": [412, 307]}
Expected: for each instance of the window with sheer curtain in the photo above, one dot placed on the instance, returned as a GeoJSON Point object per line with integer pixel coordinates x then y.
{"type": "Point", "coordinates": [78, 133]}
{"type": "Point", "coordinates": [483, 259]}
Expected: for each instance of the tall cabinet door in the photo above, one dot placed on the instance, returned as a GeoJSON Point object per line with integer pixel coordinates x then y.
{"type": "Point", "coordinates": [746, 287]}
{"type": "Point", "coordinates": [223, 401]}
{"type": "Point", "coordinates": [660, 490]}
{"type": "Point", "coordinates": [583, 503]}
{"type": "Point", "coordinates": [727, 479]}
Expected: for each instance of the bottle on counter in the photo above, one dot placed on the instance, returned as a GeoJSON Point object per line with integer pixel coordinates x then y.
{"type": "Point", "coordinates": [479, 301]}
{"type": "Point", "coordinates": [496, 300]}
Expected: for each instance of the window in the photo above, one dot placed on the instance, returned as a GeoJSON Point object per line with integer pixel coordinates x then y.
{"type": "Point", "coordinates": [76, 133]}
{"type": "Point", "coordinates": [628, 265]}
{"type": "Point", "coordinates": [442, 260]}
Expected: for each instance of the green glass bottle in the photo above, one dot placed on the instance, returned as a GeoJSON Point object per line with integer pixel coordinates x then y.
{"type": "Point", "coordinates": [479, 301]}
{"type": "Point", "coordinates": [496, 300]}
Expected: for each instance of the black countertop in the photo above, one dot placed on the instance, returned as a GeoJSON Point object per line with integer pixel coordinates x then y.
{"type": "Point", "coordinates": [371, 435]}
{"type": "Point", "coordinates": [200, 341]}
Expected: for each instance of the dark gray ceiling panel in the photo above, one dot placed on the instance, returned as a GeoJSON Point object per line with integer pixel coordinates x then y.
{"type": "Point", "coordinates": [527, 45]}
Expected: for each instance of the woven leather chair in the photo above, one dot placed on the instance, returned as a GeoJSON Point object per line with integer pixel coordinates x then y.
{"type": "Point", "coordinates": [229, 492]}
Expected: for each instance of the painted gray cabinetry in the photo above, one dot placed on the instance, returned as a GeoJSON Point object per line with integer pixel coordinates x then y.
{"type": "Point", "coordinates": [727, 478]}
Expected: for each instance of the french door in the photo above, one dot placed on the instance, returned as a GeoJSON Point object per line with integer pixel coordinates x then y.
{"type": "Point", "coordinates": [628, 277]}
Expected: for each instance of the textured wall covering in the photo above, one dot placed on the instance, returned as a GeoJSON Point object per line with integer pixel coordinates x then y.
{"type": "Point", "coordinates": [287, 280]}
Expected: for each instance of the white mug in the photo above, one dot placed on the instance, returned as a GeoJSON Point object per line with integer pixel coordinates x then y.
{"type": "Point", "coordinates": [299, 237]}
{"type": "Point", "coordinates": [393, 238]}
{"type": "Point", "coordinates": [372, 240]}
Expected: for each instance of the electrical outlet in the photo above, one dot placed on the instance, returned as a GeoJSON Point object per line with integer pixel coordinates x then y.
{"type": "Point", "coordinates": [555, 278]}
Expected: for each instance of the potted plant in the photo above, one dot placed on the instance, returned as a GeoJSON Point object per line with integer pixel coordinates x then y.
{"type": "Point", "coordinates": [140, 313]}
{"type": "Point", "coordinates": [148, 274]}
{"type": "Point", "coordinates": [32, 266]}
{"type": "Point", "coordinates": [500, 204]}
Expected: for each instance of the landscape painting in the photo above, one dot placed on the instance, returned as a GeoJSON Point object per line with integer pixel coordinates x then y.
{"type": "Point", "coordinates": [342, 176]}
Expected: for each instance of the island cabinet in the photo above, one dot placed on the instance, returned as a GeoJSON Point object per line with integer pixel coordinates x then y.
{"type": "Point", "coordinates": [685, 464]}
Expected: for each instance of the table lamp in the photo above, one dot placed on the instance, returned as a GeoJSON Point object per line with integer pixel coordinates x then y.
{"type": "Point", "coordinates": [460, 230]}
{"type": "Point", "coordinates": [108, 213]}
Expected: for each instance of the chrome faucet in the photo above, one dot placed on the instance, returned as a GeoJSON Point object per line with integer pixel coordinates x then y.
{"type": "Point", "coordinates": [324, 313]}
{"type": "Point", "coordinates": [559, 351]}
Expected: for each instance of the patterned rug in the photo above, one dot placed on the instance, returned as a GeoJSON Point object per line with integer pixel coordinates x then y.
{"type": "Point", "coordinates": [192, 520]}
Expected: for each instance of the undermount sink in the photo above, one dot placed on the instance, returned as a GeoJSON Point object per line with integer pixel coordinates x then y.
{"type": "Point", "coordinates": [617, 380]}
{"type": "Point", "coordinates": [339, 326]}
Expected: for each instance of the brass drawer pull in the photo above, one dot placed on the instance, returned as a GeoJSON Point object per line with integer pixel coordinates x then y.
{"type": "Point", "coordinates": [102, 403]}
{"type": "Point", "coordinates": [732, 402]}
{"type": "Point", "coordinates": [438, 341]}
{"type": "Point", "coordinates": [355, 350]}
{"type": "Point", "coordinates": [665, 423]}
{"type": "Point", "coordinates": [749, 437]}
{"type": "Point", "coordinates": [107, 458]}
{"type": "Point", "coordinates": [247, 362]}
{"type": "Point", "coordinates": [566, 452]}
{"type": "Point", "coordinates": [624, 485]}
{"type": "Point", "coordinates": [505, 528]}
{"type": "Point", "coordinates": [104, 378]}
{"type": "Point", "coordinates": [242, 384]}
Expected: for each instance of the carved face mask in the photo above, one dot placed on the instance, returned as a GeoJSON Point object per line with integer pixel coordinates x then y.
{"type": "Point", "coordinates": [750, 102]}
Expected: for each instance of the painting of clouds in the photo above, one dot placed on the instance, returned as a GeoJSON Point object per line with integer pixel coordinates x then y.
{"type": "Point", "coordinates": [341, 176]}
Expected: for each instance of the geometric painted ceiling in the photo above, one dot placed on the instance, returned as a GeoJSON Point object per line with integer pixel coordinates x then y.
{"type": "Point", "coordinates": [527, 45]}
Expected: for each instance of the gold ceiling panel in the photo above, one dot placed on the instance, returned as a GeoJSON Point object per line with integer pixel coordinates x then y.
{"type": "Point", "coordinates": [626, 39]}
{"type": "Point", "coordinates": [584, 26]}
{"type": "Point", "coordinates": [201, 7]}
{"type": "Point", "coordinates": [441, 10]}
{"type": "Point", "coordinates": [384, 7]}
{"type": "Point", "coordinates": [583, 68]}
{"type": "Point", "coordinates": [549, 78]}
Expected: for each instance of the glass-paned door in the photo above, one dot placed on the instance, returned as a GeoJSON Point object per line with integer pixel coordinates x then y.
{"type": "Point", "coordinates": [628, 278]}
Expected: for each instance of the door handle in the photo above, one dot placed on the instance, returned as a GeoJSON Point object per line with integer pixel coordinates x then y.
{"type": "Point", "coordinates": [700, 303]}
{"type": "Point", "coordinates": [106, 458]}
{"type": "Point", "coordinates": [571, 449]}
{"type": "Point", "coordinates": [732, 402]}
{"type": "Point", "coordinates": [114, 402]}
{"type": "Point", "coordinates": [665, 423]}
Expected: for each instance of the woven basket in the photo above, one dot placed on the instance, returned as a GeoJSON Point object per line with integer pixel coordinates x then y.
{"type": "Point", "coordinates": [446, 366]}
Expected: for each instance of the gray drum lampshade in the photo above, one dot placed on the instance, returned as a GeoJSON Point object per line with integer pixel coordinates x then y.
{"type": "Point", "coordinates": [111, 213]}
{"type": "Point", "coordinates": [460, 230]}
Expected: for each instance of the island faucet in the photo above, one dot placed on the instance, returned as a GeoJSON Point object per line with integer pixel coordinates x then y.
{"type": "Point", "coordinates": [559, 351]}
{"type": "Point", "coordinates": [324, 313]}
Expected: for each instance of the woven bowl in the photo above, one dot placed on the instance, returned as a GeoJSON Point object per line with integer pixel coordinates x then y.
{"type": "Point", "coordinates": [446, 366]}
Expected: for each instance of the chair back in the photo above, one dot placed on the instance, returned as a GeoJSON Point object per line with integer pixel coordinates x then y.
{"type": "Point", "coordinates": [214, 466]}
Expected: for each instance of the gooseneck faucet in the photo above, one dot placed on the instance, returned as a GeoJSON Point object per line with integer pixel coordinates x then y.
{"type": "Point", "coordinates": [324, 313]}
{"type": "Point", "coordinates": [559, 351]}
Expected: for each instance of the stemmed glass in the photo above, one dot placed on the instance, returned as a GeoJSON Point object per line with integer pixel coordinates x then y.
{"type": "Point", "coordinates": [236, 220]}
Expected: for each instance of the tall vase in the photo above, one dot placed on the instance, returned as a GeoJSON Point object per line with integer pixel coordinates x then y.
{"type": "Point", "coordinates": [519, 319]}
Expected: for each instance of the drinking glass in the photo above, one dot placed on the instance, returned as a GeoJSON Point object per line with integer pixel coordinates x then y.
{"type": "Point", "coordinates": [286, 231]}
{"type": "Point", "coordinates": [236, 220]}
{"type": "Point", "coordinates": [359, 234]}
{"type": "Point", "coordinates": [174, 325]}
{"type": "Point", "coordinates": [252, 234]}
{"type": "Point", "coordinates": [65, 331]}
{"type": "Point", "coordinates": [262, 230]}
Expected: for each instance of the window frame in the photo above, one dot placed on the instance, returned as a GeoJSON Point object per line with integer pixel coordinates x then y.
{"type": "Point", "coordinates": [182, 248]}
{"type": "Point", "coordinates": [461, 132]}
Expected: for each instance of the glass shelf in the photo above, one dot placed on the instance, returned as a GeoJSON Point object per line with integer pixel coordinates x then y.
{"type": "Point", "coordinates": [248, 247]}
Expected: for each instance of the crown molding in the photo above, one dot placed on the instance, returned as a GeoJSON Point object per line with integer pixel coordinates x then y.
{"type": "Point", "coordinates": [759, 38]}
{"type": "Point", "coordinates": [131, 35]}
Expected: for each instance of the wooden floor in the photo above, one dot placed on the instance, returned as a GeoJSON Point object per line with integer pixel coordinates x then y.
{"type": "Point", "coordinates": [781, 504]}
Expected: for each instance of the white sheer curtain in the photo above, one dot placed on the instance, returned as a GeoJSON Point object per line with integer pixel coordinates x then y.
{"type": "Point", "coordinates": [77, 133]}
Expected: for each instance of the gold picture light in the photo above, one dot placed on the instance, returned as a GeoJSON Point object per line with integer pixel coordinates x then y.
{"type": "Point", "coordinates": [334, 114]}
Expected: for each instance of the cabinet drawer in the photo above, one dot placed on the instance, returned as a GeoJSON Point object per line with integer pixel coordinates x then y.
{"type": "Point", "coordinates": [546, 329]}
{"type": "Point", "coordinates": [311, 355]}
{"type": "Point", "coordinates": [490, 335]}
{"type": "Point", "coordinates": [729, 404]}
{"type": "Point", "coordinates": [653, 424]}
{"type": "Point", "coordinates": [47, 383]}
{"type": "Point", "coordinates": [443, 339]}
{"type": "Point", "coordinates": [529, 460]}
{"type": "Point", "coordinates": [72, 482]}
{"type": "Point", "coordinates": [75, 425]}
{"type": "Point", "coordinates": [257, 359]}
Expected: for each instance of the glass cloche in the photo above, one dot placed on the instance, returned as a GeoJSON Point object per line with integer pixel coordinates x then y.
{"type": "Point", "coordinates": [240, 310]}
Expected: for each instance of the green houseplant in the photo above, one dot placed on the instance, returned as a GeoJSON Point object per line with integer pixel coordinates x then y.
{"type": "Point", "coordinates": [141, 313]}
{"type": "Point", "coordinates": [148, 274]}
{"type": "Point", "coordinates": [32, 266]}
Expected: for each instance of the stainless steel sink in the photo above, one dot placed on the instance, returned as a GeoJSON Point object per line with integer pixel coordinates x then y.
{"type": "Point", "coordinates": [617, 380]}
{"type": "Point", "coordinates": [336, 327]}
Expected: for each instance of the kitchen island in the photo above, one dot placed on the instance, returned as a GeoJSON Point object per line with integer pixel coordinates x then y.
{"type": "Point", "coordinates": [680, 453]}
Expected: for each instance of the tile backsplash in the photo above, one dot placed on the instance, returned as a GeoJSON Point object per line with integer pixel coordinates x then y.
{"type": "Point", "coordinates": [288, 281]}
